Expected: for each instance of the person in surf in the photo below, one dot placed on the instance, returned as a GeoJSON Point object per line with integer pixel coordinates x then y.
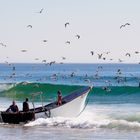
{"type": "Point", "coordinates": [13, 108]}
{"type": "Point", "coordinates": [59, 98]}
{"type": "Point", "coordinates": [25, 105]}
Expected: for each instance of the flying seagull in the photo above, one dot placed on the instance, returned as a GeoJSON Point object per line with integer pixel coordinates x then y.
{"type": "Point", "coordinates": [100, 56]}
{"type": "Point", "coordinates": [2, 44]}
{"type": "Point", "coordinates": [120, 60]}
{"type": "Point", "coordinates": [41, 11]}
{"type": "Point", "coordinates": [107, 52]}
{"type": "Point", "coordinates": [67, 23]}
{"type": "Point", "coordinates": [67, 42]}
{"type": "Point", "coordinates": [44, 61]}
{"type": "Point", "coordinates": [52, 62]}
{"type": "Point", "coordinates": [91, 52]}
{"type": "Point", "coordinates": [63, 58]}
{"type": "Point", "coordinates": [136, 52]}
{"type": "Point", "coordinates": [44, 40]}
{"type": "Point", "coordinates": [30, 26]}
{"type": "Point", "coordinates": [127, 54]}
{"type": "Point", "coordinates": [23, 50]}
{"type": "Point", "coordinates": [124, 25]}
{"type": "Point", "coordinates": [78, 36]}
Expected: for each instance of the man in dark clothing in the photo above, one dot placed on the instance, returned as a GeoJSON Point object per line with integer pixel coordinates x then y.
{"type": "Point", "coordinates": [25, 106]}
{"type": "Point", "coordinates": [13, 108]}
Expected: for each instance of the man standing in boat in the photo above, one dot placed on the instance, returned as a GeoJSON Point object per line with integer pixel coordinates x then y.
{"type": "Point", "coordinates": [25, 105]}
{"type": "Point", "coordinates": [13, 108]}
{"type": "Point", "coordinates": [59, 98]}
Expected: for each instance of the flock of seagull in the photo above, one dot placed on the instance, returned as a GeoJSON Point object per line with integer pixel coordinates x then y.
{"type": "Point", "coordinates": [101, 56]}
{"type": "Point", "coordinates": [119, 77]}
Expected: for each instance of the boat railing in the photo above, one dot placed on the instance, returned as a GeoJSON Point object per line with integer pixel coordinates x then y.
{"type": "Point", "coordinates": [76, 93]}
{"type": "Point", "coordinates": [33, 97]}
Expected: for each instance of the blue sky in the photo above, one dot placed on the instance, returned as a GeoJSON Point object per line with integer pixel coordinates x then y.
{"type": "Point", "coordinates": [96, 21]}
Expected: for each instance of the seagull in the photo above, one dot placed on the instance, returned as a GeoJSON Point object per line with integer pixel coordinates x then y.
{"type": "Point", "coordinates": [44, 61]}
{"type": "Point", "coordinates": [52, 62]}
{"type": "Point", "coordinates": [2, 44]}
{"type": "Point", "coordinates": [91, 52]}
{"type": "Point", "coordinates": [124, 25]}
{"type": "Point", "coordinates": [67, 42]}
{"type": "Point", "coordinates": [120, 60]}
{"type": "Point", "coordinates": [100, 67]}
{"type": "Point", "coordinates": [118, 70]}
{"type": "Point", "coordinates": [107, 52]}
{"type": "Point", "coordinates": [30, 26]}
{"type": "Point", "coordinates": [78, 36]}
{"type": "Point", "coordinates": [63, 58]}
{"type": "Point", "coordinates": [44, 40]}
{"type": "Point", "coordinates": [136, 52]}
{"type": "Point", "coordinates": [41, 11]}
{"type": "Point", "coordinates": [87, 80]}
{"type": "Point", "coordinates": [72, 74]}
{"type": "Point", "coordinates": [67, 23]}
{"type": "Point", "coordinates": [127, 54]}
{"type": "Point", "coordinates": [14, 68]}
{"type": "Point", "coordinates": [99, 56]}
{"type": "Point", "coordinates": [23, 50]}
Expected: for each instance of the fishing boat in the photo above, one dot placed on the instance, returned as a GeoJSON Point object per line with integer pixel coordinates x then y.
{"type": "Point", "coordinates": [16, 118]}
{"type": "Point", "coordinates": [72, 106]}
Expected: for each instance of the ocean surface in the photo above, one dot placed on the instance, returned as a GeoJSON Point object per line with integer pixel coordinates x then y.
{"type": "Point", "coordinates": [112, 112]}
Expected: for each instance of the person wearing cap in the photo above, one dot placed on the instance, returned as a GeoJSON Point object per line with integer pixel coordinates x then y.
{"type": "Point", "coordinates": [25, 105]}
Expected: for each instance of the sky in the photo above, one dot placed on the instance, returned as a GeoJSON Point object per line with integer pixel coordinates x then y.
{"type": "Point", "coordinates": [96, 21]}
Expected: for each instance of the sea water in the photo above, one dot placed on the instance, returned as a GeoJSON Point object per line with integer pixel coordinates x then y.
{"type": "Point", "coordinates": [112, 112]}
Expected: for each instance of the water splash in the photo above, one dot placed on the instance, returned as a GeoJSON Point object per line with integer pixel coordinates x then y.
{"type": "Point", "coordinates": [91, 120]}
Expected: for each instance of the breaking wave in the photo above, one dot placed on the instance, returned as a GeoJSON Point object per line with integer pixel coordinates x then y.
{"type": "Point", "coordinates": [90, 120]}
{"type": "Point", "coordinates": [112, 94]}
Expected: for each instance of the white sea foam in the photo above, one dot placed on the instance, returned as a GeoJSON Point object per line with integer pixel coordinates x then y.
{"type": "Point", "coordinates": [85, 124]}
{"type": "Point", "coordinates": [99, 118]}
{"type": "Point", "coordinates": [4, 87]}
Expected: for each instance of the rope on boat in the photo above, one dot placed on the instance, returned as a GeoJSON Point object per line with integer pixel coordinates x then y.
{"type": "Point", "coordinates": [48, 114]}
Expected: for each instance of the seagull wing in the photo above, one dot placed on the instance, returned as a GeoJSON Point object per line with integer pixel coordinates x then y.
{"type": "Point", "coordinates": [30, 26]}
{"type": "Point", "coordinates": [66, 24]}
{"type": "Point", "coordinates": [91, 52]}
{"type": "Point", "coordinates": [127, 24]}
{"type": "Point", "coordinates": [41, 10]}
{"type": "Point", "coordinates": [128, 54]}
{"type": "Point", "coordinates": [121, 26]}
{"type": "Point", "coordinates": [78, 36]}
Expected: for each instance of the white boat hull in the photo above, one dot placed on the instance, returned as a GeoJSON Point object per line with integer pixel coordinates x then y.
{"type": "Point", "coordinates": [70, 109]}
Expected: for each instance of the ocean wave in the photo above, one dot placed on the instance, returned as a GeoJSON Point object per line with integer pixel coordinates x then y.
{"type": "Point", "coordinates": [82, 123]}
{"type": "Point", "coordinates": [5, 87]}
{"type": "Point", "coordinates": [25, 89]}
{"type": "Point", "coordinates": [111, 94]}
{"type": "Point", "coordinates": [96, 117]}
